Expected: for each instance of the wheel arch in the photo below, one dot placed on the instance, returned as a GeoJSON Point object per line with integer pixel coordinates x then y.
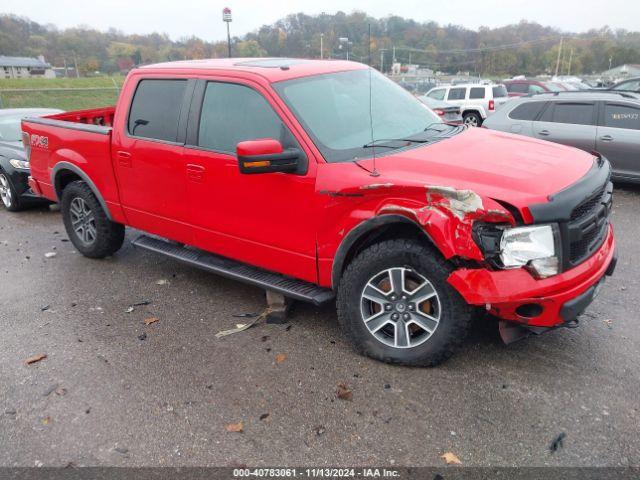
{"type": "Point", "coordinates": [64, 173]}
{"type": "Point", "coordinates": [371, 231]}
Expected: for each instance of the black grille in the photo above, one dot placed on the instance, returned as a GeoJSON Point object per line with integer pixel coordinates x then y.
{"type": "Point", "coordinates": [588, 226]}
{"type": "Point", "coordinates": [587, 206]}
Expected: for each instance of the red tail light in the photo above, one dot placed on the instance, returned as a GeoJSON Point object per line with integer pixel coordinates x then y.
{"type": "Point", "coordinates": [492, 105]}
{"type": "Point", "coordinates": [439, 112]}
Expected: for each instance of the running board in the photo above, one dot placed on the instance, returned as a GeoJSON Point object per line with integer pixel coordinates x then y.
{"type": "Point", "coordinates": [288, 286]}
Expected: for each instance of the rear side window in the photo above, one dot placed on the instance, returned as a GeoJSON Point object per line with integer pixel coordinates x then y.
{"type": "Point", "coordinates": [155, 109]}
{"type": "Point", "coordinates": [633, 85]}
{"type": "Point", "coordinates": [517, 88]}
{"type": "Point", "coordinates": [476, 93]}
{"type": "Point", "coordinates": [437, 94]}
{"type": "Point", "coordinates": [527, 111]}
{"type": "Point", "coordinates": [233, 113]}
{"type": "Point", "coordinates": [621, 116]}
{"type": "Point", "coordinates": [570, 113]}
{"type": "Point", "coordinates": [500, 91]}
{"type": "Point", "coordinates": [457, 94]}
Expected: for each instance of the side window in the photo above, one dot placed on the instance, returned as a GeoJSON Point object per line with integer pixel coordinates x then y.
{"type": "Point", "coordinates": [476, 93]}
{"type": "Point", "coordinates": [535, 89]}
{"type": "Point", "coordinates": [570, 113]}
{"type": "Point", "coordinates": [457, 94]}
{"type": "Point", "coordinates": [232, 113]}
{"type": "Point", "coordinates": [155, 109]}
{"type": "Point", "coordinates": [517, 88]}
{"type": "Point", "coordinates": [527, 111]}
{"type": "Point", "coordinates": [621, 116]}
{"type": "Point", "coordinates": [632, 85]}
{"type": "Point", "coordinates": [437, 94]}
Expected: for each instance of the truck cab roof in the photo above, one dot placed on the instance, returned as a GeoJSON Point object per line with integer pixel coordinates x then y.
{"type": "Point", "coordinates": [272, 69]}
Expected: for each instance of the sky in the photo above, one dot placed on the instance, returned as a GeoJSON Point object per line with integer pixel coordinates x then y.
{"type": "Point", "coordinates": [204, 18]}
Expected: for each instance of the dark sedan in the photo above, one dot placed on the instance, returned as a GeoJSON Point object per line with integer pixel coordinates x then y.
{"type": "Point", "coordinates": [14, 165]}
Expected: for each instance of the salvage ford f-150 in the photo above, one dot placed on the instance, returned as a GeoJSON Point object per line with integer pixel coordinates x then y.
{"type": "Point", "coordinates": [317, 179]}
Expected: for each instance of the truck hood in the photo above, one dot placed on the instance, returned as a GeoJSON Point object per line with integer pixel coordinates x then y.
{"type": "Point", "coordinates": [502, 166]}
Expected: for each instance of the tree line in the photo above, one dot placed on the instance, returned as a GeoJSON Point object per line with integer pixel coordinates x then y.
{"type": "Point", "coordinates": [524, 48]}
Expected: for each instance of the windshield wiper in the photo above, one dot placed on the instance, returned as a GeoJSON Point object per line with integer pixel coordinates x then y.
{"type": "Point", "coordinates": [375, 144]}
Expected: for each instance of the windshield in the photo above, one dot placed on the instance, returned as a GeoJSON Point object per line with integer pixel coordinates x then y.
{"type": "Point", "coordinates": [553, 87]}
{"type": "Point", "coordinates": [334, 109]}
{"type": "Point", "coordinates": [10, 129]}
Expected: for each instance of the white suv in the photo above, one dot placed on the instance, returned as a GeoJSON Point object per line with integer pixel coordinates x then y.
{"type": "Point", "coordinates": [477, 102]}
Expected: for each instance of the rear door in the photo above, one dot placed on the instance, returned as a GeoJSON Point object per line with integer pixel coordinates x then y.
{"type": "Point", "coordinates": [457, 96]}
{"type": "Point", "coordinates": [619, 137]}
{"type": "Point", "coordinates": [570, 122]}
{"type": "Point", "coordinates": [262, 219]}
{"type": "Point", "coordinates": [148, 157]}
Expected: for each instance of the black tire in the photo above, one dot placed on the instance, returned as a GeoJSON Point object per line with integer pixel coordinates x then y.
{"type": "Point", "coordinates": [15, 202]}
{"type": "Point", "coordinates": [472, 119]}
{"type": "Point", "coordinates": [454, 314]}
{"type": "Point", "coordinates": [108, 237]}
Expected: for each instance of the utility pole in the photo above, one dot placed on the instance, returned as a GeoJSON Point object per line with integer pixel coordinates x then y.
{"type": "Point", "coordinates": [226, 17]}
{"type": "Point", "coordinates": [559, 53]}
{"type": "Point", "coordinates": [382, 60]}
{"type": "Point", "coordinates": [321, 46]}
{"type": "Point", "coordinates": [75, 63]}
{"type": "Point", "coordinates": [570, 62]}
{"type": "Point", "coordinates": [393, 57]}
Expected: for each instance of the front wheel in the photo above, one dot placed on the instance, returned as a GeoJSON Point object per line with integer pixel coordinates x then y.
{"type": "Point", "coordinates": [8, 194]}
{"type": "Point", "coordinates": [87, 224]}
{"type": "Point", "coordinates": [395, 305]}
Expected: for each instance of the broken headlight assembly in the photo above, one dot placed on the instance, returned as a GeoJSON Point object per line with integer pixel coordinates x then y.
{"type": "Point", "coordinates": [535, 248]}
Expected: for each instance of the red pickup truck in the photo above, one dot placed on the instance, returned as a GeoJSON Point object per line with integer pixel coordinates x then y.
{"type": "Point", "coordinates": [323, 179]}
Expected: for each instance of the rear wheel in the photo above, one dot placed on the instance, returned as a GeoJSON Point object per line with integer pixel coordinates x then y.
{"type": "Point", "coordinates": [395, 305]}
{"type": "Point", "coordinates": [87, 224]}
{"type": "Point", "coordinates": [8, 195]}
{"type": "Point", "coordinates": [472, 119]}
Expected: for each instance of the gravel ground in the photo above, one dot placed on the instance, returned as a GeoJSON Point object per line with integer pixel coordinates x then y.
{"type": "Point", "coordinates": [114, 391]}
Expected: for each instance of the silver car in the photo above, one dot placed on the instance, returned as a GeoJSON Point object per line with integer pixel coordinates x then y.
{"type": "Point", "coordinates": [448, 112]}
{"type": "Point", "coordinates": [603, 121]}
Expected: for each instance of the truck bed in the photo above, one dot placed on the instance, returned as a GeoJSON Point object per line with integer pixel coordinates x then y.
{"type": "Point", "coordinates": [79, 142]}
{"type": "Point", "coordinates": [95, 116]}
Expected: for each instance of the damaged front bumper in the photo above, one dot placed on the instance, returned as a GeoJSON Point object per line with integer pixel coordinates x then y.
{"type": "Point", "coordinates": [515, 295]}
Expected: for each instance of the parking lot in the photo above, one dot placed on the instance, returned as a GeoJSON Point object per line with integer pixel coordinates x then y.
{"type": "Point", "coordinates": [114, 391]}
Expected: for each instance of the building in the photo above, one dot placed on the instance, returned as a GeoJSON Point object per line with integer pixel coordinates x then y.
{"type": "Point", "coordinates": [25, 67]}
{"type": "Point", "coordinates": [622, 72]}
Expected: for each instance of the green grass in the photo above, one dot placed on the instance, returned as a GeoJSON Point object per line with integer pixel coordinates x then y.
{"type": "Point", "coordinates": [48, 97]}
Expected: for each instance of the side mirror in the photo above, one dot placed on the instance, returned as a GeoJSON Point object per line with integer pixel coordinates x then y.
{"type": "Point", "coordinates": [266, 156]}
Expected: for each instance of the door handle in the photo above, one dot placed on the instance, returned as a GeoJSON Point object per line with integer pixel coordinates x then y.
{"type": "Point", "coordinates": [195, 172]}
{"type": "Point", "coordinates": [124, 158]}
{"type": "Point", "coordinates": [544, 133]}
{"type": "Point", "coordinates": [606, 138]}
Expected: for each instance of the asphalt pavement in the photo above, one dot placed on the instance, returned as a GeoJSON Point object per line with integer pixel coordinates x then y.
{"type": "Point", "coordinates": [114, 391]}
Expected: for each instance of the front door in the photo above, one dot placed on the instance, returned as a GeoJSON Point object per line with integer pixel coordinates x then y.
{"type": "Point", "coordinates": [619, 138]}
{"type": "Point", "coordinates": [571, 123]}
{"type": "Point", "coordinates": [263, 219]}
{"type": "Point", "coordinates": [148, 158]}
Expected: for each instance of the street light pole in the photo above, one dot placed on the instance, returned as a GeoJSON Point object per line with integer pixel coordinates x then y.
{"type": "Point", "coordinates": [226, 17]}
{"type": "Point", "coordinates": [321, 46]}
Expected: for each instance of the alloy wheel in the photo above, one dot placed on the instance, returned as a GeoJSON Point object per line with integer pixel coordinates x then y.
{"type": "Point", "coordinates": [471, 121]}
{"type": "Point", "coordinates": [5, 191]}
{"type": "Point", "coordinates": [83, 221]}
{"type": "Point", "coordinates": [400, 307]}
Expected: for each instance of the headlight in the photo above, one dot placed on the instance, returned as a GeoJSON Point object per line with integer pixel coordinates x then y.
{"type": "Point", "coordinates": [19, 164]}
{"type": "Point", "coordinates": [531, 247]}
